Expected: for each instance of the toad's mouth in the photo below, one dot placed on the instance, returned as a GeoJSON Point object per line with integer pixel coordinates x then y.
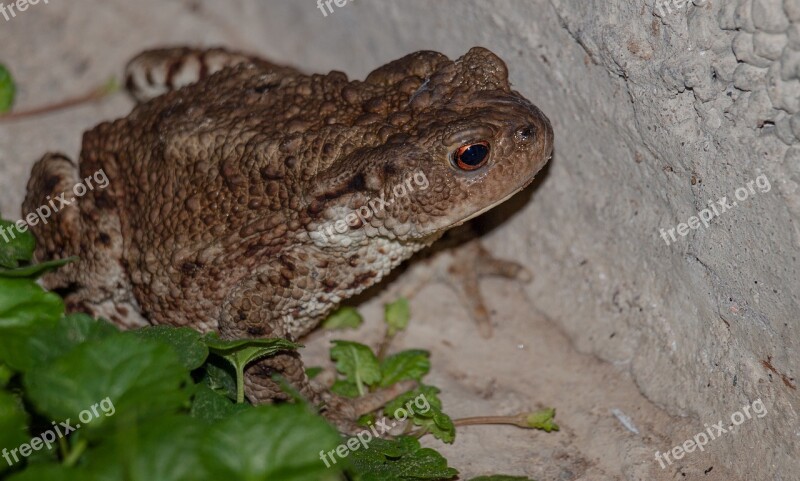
{"type": "Point", "coordinates": [483, 210]}
{"type": "Point", "coordinates": [492, 206]}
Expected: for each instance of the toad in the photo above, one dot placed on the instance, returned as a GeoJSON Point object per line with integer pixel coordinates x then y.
{"type": "Point", "coordinates": [250, 199]}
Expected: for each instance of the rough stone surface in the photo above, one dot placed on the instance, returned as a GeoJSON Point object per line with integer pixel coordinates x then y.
{"type": "Point", "coordinates": [657, 112]}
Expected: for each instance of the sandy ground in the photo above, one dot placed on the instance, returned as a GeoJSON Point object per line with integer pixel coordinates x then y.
{"type": "Point", "coordinates": [56, 51]}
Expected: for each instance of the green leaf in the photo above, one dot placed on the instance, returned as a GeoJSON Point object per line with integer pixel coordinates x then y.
{"type": "Point", "coordinates": [247, 350]}
{"type": "Point", "coordinates": [77, 328]}
{"type": "Point", "coordinates": [367, 420]}
{"type": "Point", "coordinates": [345, 388]}
{"type": "Point", "coordinates": [50, 473]}
{"type": "Point", "coordinates": [16, 245]}
{"type": "Point", "coordinates": [23, 303]}
{"type": "Point", "coordinates": [357, 363]}
{"type": "Point", "coordinates": [269, 442]}
{"type": "Point", "coordinates": [5, 375]}
{"type": "Point", "coordinates": [8, 90]}
{"type": "Point", "coordinates": [34, 271]}
{"type": "Point", "coordinates": [543, 420]}
{"type": "Point", "coordinates": [26, 310]}
{"type": "Point", "coordinates": [220, 376]}
{"type": "Point", "coordinates": [397, 315]}
{"type": "Point", "coordinates": [211, 406]}
{"type": "Point", "coordinates": [27, 347]}
{"type": "Point", "coordinates": [343, 318]}
{"type": "Point", "coordinates": [411, 364]}
{"type": "Point", "coordinates": [187, 343]}
{"type": "Point", "coordinates": [168, 448]}
{"type": "Point", "coordinates": [313, 372]}
{"type": "Point", "coordinates": [240, 353]}
{"type": "Point", "coordinates": [13, 426]}
{"type": "Point", "coordinates": [423, 408]}
{"type": "Point", "coordinates": [130, 378]}
{"type": "Point", "coordinates": [396, 460]}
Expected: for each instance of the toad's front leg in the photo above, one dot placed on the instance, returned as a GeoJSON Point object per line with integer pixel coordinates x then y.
{"type": "Point", "coordinates": [263, 306]}
{"type": "Point", "coordinates": [271, 304]}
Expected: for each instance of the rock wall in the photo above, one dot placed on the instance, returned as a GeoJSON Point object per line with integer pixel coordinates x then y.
{"type": "Point", "coordinates": [686, 105]}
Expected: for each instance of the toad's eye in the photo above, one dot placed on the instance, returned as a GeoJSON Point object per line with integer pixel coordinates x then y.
{"type": "Point", "coordinates": [472, 156]}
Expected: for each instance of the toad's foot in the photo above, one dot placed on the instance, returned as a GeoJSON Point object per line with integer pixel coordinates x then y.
{"type": "Point", "coordinates": [344, 412]}
{"type": "Point", "coordinates": [462, 269]}
{"type": "Point", "coordinates": [261, 386]}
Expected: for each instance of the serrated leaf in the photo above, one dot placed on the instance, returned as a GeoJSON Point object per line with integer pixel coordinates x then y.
{"type": "Point", "coordinates": [40, 343]}
{"type": "Point", "coordinates": [343, 318]}
{"type": "Point", "coordinates": [412, 364]}
{"type": "Point", "coordinates": [211, 406]}
{"type": "Point", "coordinates": [397, 315]}
{"type": "Point", "coordinates": [165, 449]}
{"type": "Point", "coordinates": [25, 311]}
{"type": "Point", "coordinates": [187, 343]}
{"type": "Point", "coordinates": [138, 378]}
{"type": "Point", "coordinates": [15, 246]}
{"type": "Point", "coordinates": [543, 420]}
{"type": "Point", "coordinates": [398, 460]}
{"type": "Point", "coordinates": [269, 442]}
{"type": "Point", "coordinates": [248, 350]}
{"type": "Point", "coordinates": [357, 363]}
{"type": "Point", "coordinates": [13, 425]}
{"type": "Point", "coordinates": [439, 424]}
{"type": "Point", "coordinates": [8, 90]}
{"type": "Point", "coordinates": [240, 353]}
{"type": "Point", "coordinates": [23, 303]}
{"type": "Point", "coordinates": [424, 408]}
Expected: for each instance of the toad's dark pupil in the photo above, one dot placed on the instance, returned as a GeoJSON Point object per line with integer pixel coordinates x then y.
{"type": "Point", "coordinates": [474, 154]}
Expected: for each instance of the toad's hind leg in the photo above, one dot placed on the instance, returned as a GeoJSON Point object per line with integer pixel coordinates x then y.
{"type": "Point", "coordinates": [86, 228]}
{"type": "Point", "coordinates": [58, 230]}
{"type": "Point", "coordinates": [156, 72]}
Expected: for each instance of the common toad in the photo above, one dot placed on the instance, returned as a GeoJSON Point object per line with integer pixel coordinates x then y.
{"type": "Point", "coordinates": [239, 190]}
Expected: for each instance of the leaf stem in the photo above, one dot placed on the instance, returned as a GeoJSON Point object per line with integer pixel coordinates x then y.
{"type": "Point", "coordinates": [384, 346]}
{"type": "Point", "coordinates": [75, 454]}
{"type": "Point", "coordinates": [239, 384]}
{"type": "Point", "coordinates": [95, 94]}
{"type": "Point", "coordinates": [518, 420]}
{"type": "Point", "coordinates": [542, 420]}
{"type": "Point", "coordinates": [63, 447]}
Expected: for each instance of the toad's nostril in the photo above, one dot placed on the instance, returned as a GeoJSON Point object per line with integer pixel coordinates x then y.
{"type": "Point", "coordinates": [526, 133]}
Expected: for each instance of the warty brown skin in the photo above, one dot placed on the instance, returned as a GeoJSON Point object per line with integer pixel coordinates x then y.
{"type": "Point", "coordinates": [221, 191]}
